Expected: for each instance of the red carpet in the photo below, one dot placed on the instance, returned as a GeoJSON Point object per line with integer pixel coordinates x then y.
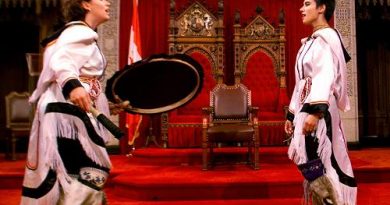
{"type": "Point", "coordinates": [174, 176]}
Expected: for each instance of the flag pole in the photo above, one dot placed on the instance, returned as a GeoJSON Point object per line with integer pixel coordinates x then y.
{"type": "Point", "coordinates": [133, 121]}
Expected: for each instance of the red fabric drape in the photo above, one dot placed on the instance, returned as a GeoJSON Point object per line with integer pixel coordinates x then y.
{"type": "Point", "coordinates": [154, 19]}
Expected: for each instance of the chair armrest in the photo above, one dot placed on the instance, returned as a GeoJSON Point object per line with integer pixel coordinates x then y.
{"type": "Point", "coordinates": [254, 110]}
{"type": "Point", "coordinates": [206, 111]}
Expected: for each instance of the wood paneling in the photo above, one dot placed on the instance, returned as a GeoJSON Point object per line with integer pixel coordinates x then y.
{"type": "Point", "coordinates": [373, 50]}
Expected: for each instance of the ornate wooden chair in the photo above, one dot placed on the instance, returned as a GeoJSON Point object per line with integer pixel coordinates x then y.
{"type": "Point", "coordinates": [18, 114]}
{"type": "Point", "coordinates": [197, 32]}
{"type": "Point", "coordinates": [260, 64]}
{"type": "Point", "coordinates": [230, 118]}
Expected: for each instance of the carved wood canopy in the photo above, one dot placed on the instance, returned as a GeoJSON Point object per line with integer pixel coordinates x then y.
{"type": "Point", "coordinates": [260, 35]}
{"type": "Point", "coordinates": [197, 29]}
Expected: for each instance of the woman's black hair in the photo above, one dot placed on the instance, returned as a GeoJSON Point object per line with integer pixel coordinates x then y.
{"type": "Point", "coordinates": [330, 7]}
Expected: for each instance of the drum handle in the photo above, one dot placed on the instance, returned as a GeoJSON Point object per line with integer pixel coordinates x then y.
{"type": "Point", "coordinates": [107, 123]}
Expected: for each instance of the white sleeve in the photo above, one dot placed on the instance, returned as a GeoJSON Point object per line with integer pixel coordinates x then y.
{"type": "Point", "coordinates": [73, 49]}
{"type": "Point", "coordinates": [294, 100]}
{"type": "Point", "coordinates": [323, 73]}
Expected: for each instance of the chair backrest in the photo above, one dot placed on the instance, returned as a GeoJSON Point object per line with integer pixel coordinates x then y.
{"type": "Point", "coordinates": [230, 102]}
{"type": "Point", "coordinates": [18, 110]}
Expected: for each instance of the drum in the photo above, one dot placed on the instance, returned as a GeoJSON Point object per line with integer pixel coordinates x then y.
{"type": "Point", "coordinates": [157, 84]}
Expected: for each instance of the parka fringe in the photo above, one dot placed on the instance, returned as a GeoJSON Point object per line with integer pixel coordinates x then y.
{"type": "Point", "coordinates": [296, 151]}
{"type": "Point", "coordinates": [306, 193]}
{"type": "Point", "coordinates": [67, 126]}
{"type": "Point", "coordinates": [349, 194]}
{"type": "Point", "coordinates": [324, 151]}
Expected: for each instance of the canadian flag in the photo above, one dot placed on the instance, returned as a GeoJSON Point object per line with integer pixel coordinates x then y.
{"type": "Point", "coordinates": [133, 121]}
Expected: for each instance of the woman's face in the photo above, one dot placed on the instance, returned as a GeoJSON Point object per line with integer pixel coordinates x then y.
{"type": "Point", "coordinates": [98, 11]}
{"type": "Point", "coordinates": [310, 12]}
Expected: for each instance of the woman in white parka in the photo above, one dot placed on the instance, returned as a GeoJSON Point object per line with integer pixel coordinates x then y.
{"type": "Point", "coordinates": [67, 162]}
{"type": "Point", "coordinates": [318, 144]}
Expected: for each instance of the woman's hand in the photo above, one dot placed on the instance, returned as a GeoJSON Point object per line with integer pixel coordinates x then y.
{"type": "Point", "coordinates": [80, 97]}
{"type": "Point", "coordinates": [288, 128]}
{"type": "Point", "coordinates": [310, 124]}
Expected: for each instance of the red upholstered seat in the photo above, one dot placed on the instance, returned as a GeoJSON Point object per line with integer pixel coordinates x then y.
{"type": "Point", "coordinates": [261, 78]}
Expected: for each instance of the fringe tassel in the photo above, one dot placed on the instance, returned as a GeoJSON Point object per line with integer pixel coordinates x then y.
{"type": "Point", "coordinates": [349, 194]}
{"type": "Point", "coordinates": [324, 152]}
{"type": "Point", "coordinates": [98, 154]}
{"type": "Point", "coordinates": [52, 155]}
{"type": "Point", "coordinates": [72, 128]}
{"type": "Point", "coordinates": [297, 151]}
{"type": "Point", "coordinates": [306, 192]}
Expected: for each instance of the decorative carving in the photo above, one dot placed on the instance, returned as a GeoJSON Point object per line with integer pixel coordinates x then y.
{"type": "Point", "coordinates": [237, 17]}
{"type": "Point", "coordinates": [259, 29]}
{"type": "Point", "coordinates": [172, 5]}
{"type": "Point", "coordinates": [220, 5]}
{"type": "Point", "coordinates": [268, 50]}
{"type": "Point", "coordinates": [259, 10]}
{"type": "Point", "coordinates": [196, 22]}
{"type": "Point", "coordinates": [344, 21]}
{"type": "Point", "coordinates": [346, 26]}
{"type": "Point", "coordinates": [259, 34]}
{"type": "Point", "coordinates": [282, 16]}
{"type": "Point", "coordinates": [198, 29]}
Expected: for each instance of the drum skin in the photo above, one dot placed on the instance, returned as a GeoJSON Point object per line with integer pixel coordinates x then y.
{"type": "Point", "coordinates": [157, 84]}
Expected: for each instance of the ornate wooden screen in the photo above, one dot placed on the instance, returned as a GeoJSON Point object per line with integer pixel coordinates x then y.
{"type": "Point", "coordinates": [197, 32]}
{"type": "Point", "coordinates": [259, 57]}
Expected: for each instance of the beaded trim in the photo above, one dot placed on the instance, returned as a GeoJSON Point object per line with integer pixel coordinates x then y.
{"type": "Point", "coordinates": [312, 169]}
{"type": "Point", "coordinates": [94, 176]}
{"type": "Point", "coordinates": [306, 90]}
{"type": "Point", "coordinates": [95, 85]}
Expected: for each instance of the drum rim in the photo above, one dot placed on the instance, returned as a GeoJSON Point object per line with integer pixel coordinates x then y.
{"type": "Point", "coordinates": [165, 108]}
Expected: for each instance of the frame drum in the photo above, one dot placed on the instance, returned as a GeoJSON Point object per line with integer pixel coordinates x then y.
{"type": "Point", "coordinates": [157, 84]}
